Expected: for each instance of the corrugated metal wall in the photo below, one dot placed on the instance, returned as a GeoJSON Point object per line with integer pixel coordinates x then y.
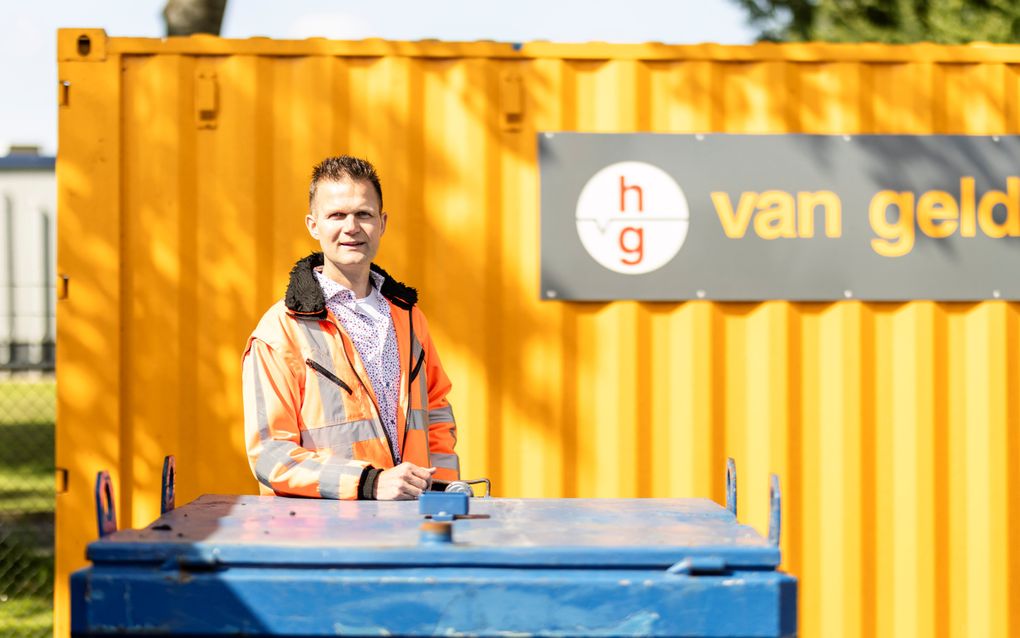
{"type": "Point", "coordinates": [183, 170]}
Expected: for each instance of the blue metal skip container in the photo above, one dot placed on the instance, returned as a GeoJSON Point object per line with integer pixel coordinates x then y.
{"type": "Point", "coordinates": [273, 566]}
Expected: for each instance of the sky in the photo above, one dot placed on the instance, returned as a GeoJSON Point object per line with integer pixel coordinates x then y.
{"type": "Point", "coordinates": [28, 71]}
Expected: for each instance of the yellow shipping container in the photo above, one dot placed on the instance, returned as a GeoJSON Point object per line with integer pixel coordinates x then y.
{"type": "Point", "coordinates": [182, 174]}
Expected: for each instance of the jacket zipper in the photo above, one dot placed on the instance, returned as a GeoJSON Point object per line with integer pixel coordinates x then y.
{"type": "Point", "coordinates": [315, 365]}
{"type": "Point", "coordinates": [417, 367]}
{"type": "Point", "coordinates": [411, 377]}
{"type": "Point", "coordinates": [410, 382]}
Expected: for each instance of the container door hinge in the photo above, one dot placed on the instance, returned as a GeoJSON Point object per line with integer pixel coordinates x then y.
{"type": "Point", "coordinates": [698, 566]}
{"type": "Point", "coordinates": [511, 100]}
{"type": "Point", "coordinates": [60, 480]}
{"type": "Point", "coordinates": [206, 100]}
{"type": "Point", "coordinates": [63, 286]}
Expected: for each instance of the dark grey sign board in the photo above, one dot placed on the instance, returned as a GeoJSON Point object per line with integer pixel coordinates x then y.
{"type": "Point", "coordinates": [664, 217]}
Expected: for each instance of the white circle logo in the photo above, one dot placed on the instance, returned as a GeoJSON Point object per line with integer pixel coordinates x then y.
{"type": "Point", "coordinates": [632, 217]}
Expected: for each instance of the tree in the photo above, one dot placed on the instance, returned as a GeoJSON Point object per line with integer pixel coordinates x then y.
{"type": "Point", "coordinates": [893, 21]}
{"type": "Point", "coordinates": [185, 17]}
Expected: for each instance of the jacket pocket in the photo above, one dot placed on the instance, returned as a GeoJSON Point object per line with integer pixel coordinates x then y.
{"type": "Point", "coordinates": [315, 365]}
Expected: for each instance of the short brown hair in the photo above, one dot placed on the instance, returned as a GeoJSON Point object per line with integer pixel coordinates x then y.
{"type": "Point", "coordinates": [335, 169]}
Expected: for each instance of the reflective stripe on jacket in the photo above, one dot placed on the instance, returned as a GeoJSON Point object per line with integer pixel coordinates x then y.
{"type": "Point", "coordinates": [312, 424]}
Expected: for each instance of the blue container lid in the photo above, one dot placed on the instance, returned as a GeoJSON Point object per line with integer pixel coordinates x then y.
{"type": "Point", "coordinates": [221, 530]}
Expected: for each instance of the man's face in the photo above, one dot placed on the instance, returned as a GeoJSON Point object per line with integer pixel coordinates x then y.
{"type": "Point", "coordinates": [346, 219]}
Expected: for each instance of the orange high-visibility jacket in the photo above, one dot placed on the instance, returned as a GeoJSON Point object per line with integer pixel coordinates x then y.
{"type": "Point", "coordinates": [311, 419]}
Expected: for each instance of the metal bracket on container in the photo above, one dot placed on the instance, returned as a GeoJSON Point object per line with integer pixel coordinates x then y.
{"type": "Point", "coordinates": [63, 286]}
{"type": "Point", "coordinates": [511, 100]}
{"type": "Point", "coordinates": [167, 497]}
{"type": "Point", "coordinates": [465, 486]}
{"type": "Point", "coordinates": [775, 510]}
{"type": "Point", "coordinates": [446, 506]}
{"type": "Point", "coordinates": [63, 96]}
{"type": "Point", "coordinates": [81, 45]}
{"type": "Point", "coordinates": [698, 566]}
{"type": "Point", "coordinates": [443, 506]}
{"type": "Point", "coordinates": [106, 512]}
{"type": "Point", "coordinates": [206, 99]}
{"type": "Point", "coordinates": [731, 486]}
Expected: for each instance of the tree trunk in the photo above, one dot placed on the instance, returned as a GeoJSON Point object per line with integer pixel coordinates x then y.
{"type": "Point", "coordinates": [184, 17]}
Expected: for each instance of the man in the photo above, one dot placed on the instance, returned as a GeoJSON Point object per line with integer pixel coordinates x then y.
{"type": "Point", "coordinates": [344, 394]}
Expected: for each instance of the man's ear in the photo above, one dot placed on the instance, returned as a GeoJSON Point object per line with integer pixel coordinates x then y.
{"type": "Point", "coordinates": [312, 225]}
{"type": "Point", "coordinates": [383, 217]}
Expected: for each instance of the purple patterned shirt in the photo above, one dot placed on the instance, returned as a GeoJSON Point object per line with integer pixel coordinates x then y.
{"type": "Point", "coordinates": [370, 327]}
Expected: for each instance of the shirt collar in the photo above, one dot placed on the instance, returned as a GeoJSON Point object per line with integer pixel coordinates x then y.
{"type": "Point", "coordinates": [332, 290]}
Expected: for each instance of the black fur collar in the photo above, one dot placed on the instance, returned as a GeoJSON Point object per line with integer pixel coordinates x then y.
{"type": "Point", "coordinates": [304, 294]}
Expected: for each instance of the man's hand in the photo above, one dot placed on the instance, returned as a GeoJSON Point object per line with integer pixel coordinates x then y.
{"type": "Point", "coordinates": [403, 483]}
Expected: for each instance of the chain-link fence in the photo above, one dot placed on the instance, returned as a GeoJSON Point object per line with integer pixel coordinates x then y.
{"type": "Point", "coordinates": [27, 393]}
{"type": "Point", "coordinates": [27, 410]}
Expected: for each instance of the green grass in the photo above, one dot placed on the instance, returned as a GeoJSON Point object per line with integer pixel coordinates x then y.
{"type": "Point", "coordinates": [27, 413]}
{"type": "Point", "coordinates": [26, 616]}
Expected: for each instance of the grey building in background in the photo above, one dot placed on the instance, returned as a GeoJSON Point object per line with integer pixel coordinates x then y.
{"type": "Point", "coordinates": [28, 204]}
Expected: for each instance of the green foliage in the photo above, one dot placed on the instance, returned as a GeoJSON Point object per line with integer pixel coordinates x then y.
{"type": "Point", "coordinates": [891, 21]}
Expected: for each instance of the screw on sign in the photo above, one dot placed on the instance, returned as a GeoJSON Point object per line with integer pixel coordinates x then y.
{"type": "Point", "coordinates": [632, 217]}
